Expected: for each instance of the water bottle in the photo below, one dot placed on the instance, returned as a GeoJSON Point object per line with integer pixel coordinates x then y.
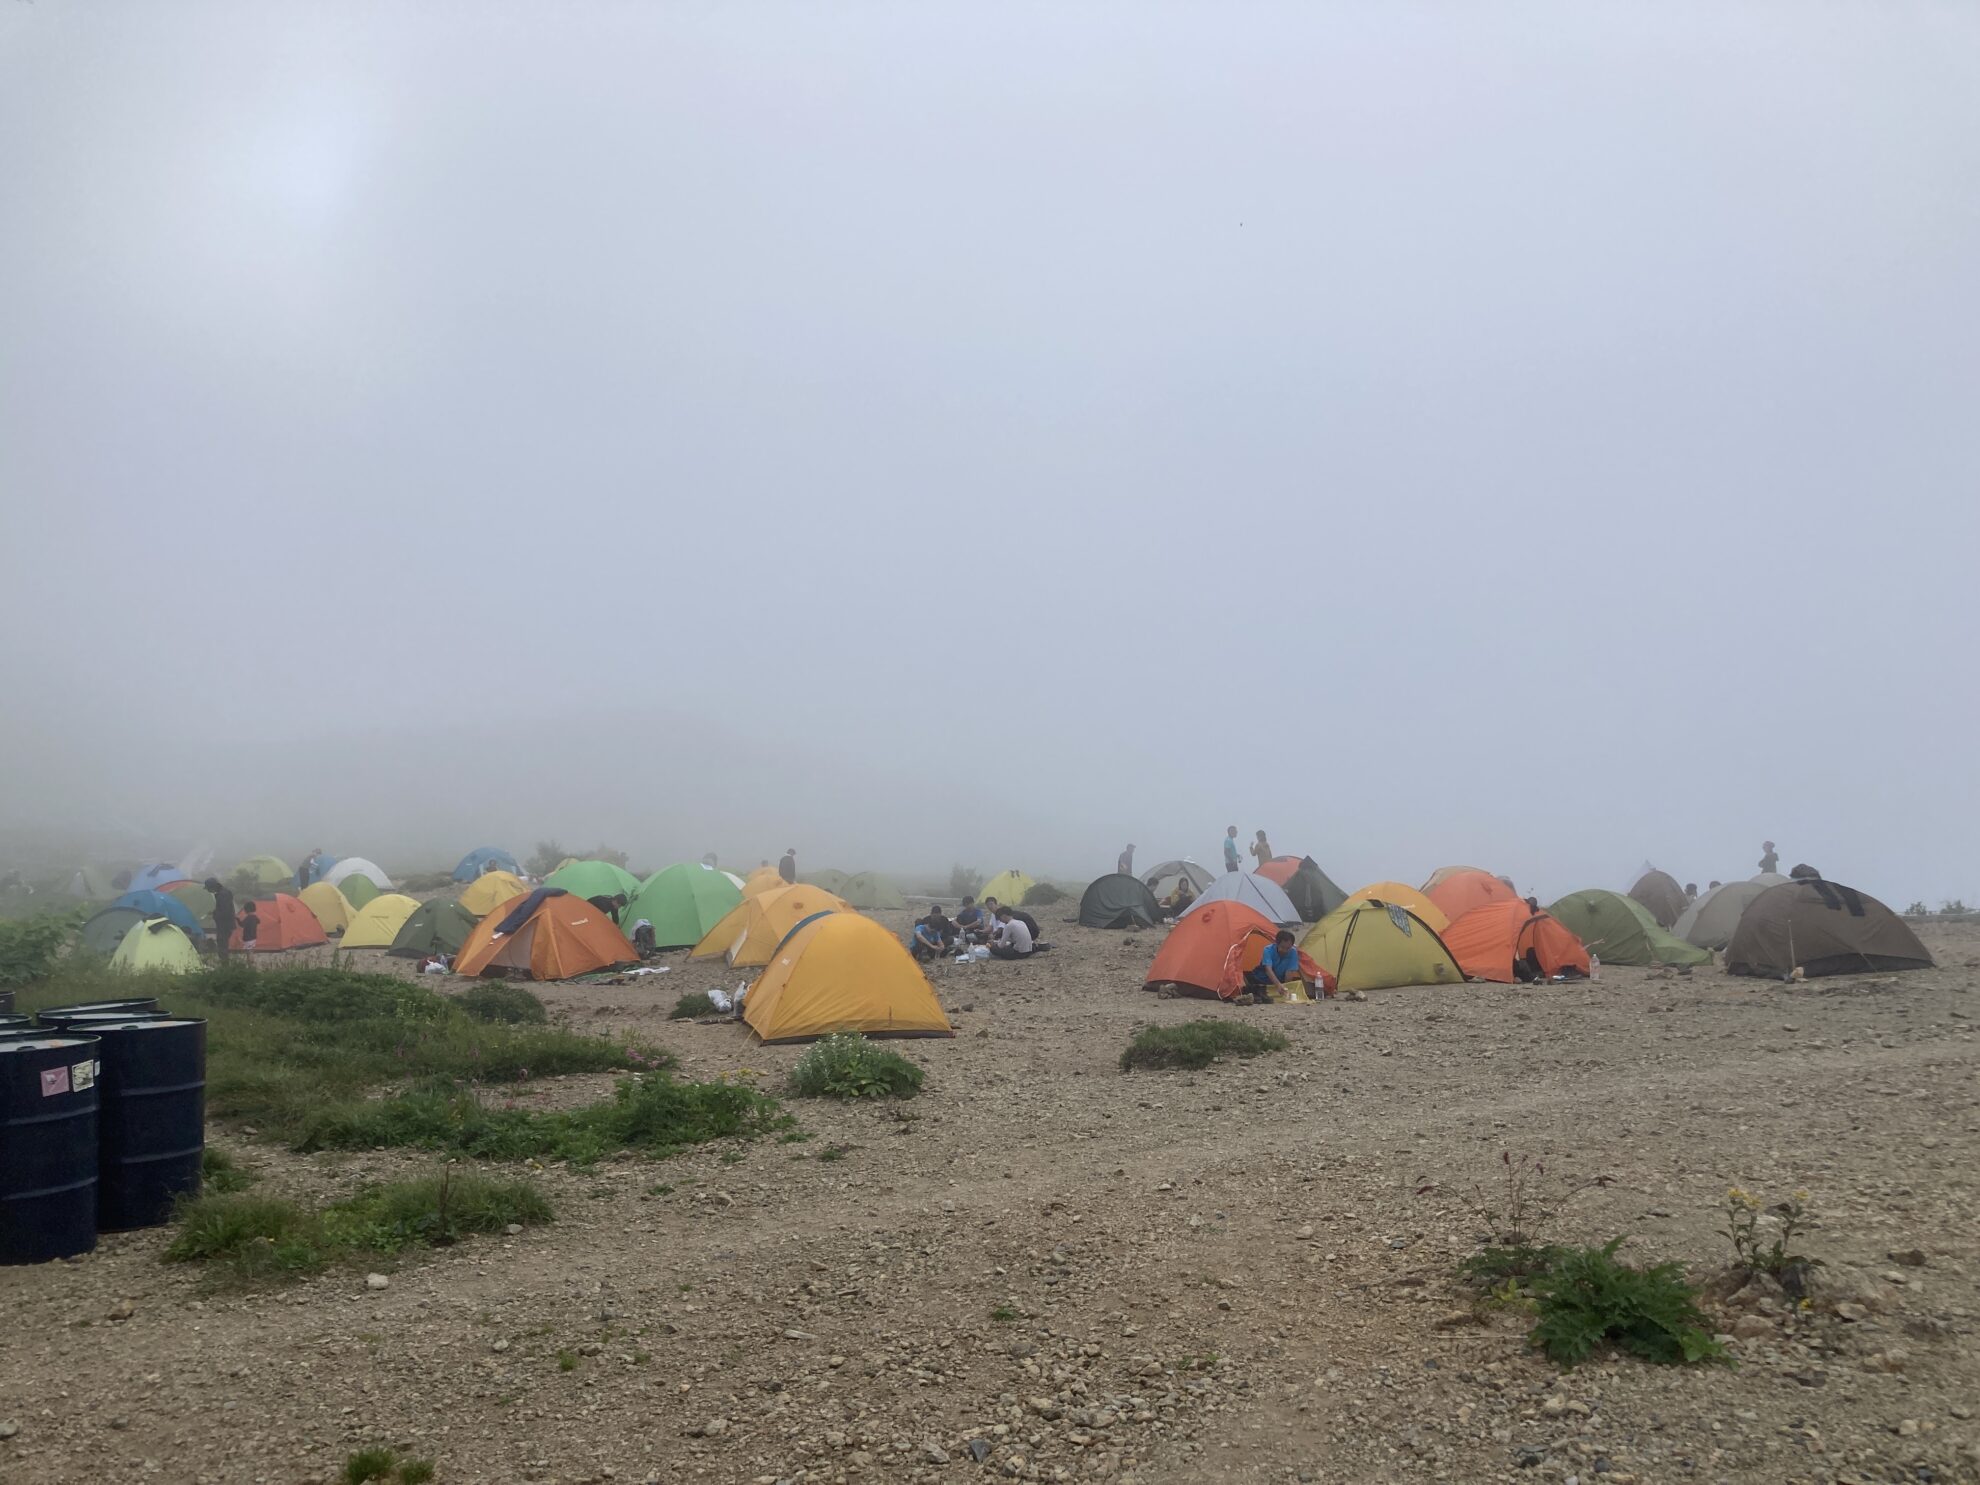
{"type": "Point", "coordinates": [1594, 966]}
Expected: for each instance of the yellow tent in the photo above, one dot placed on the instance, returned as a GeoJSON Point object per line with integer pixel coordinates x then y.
{"type": "Point", "coordinates": [1008, 887]}
{"type": "Point", "coordinates": [1369, 945]}
{"type": "Point", "coordinates": [490, 890]}
{"type": "Point", "coordinates": [763, 879]}
{"type": "Point", "coordinates": [1404, 896]}
{"type": "Point", "coordinates": [157, 946]}
{"type": "Point", "coordinates": [378, 922]}
{"type": "Point", "coordinates": [329, 905]}
{"type": "Point", "coordinates": [751, 930]}
{"type": "Point", "coordinates": [843, 972]}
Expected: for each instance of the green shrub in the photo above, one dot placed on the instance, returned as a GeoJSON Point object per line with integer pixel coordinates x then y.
{"type": "Point", "coordinates": [694, 1003]}
{"type": "Point", "coordinates": [1197, 1044]}
{"type": "Point", "coordinates": [1586, 1298]}
{"type": "Point", "coordinates": [509, 1004]}
{"type": "Point", "coordinates": [368, 1464]}
{"type": "Point", "coordinates": [1043, 894]}
{"type": "Point", "coordinates": [415, 1472]}
{"type": "Point", "coordinates": [219, 1174]}
{"type": "Point", "coordinates": [29, 947]}
{"type": "Point", "coordinates": [847, 1065]}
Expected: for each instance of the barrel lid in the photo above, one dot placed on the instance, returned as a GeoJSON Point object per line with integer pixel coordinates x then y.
{"type": "Point", "coordinates": [86, 1007]}
{"type": "Point", "coordinates": [34, 1041]}
{"type": "Point", "coordinates": [142, 1023]}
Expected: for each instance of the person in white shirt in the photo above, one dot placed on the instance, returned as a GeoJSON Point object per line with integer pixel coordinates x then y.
{"type": "Point", "coordinates": [1012, 939]}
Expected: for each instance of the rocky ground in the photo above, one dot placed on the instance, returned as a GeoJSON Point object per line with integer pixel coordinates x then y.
{"type": "Point", "coordinates": [1046, 1269]}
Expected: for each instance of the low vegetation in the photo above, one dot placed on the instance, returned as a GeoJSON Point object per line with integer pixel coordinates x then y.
{"type": "Point", "coordinates": [509, 1004]}
{"type": "Point", "coordinates": [1197, 1044]}
{"type": "Point", "coordinates": [691, 1005]}
{"type": "Point", "coordinates": [244, 1239]}
{"type": "Point", "coordinates": [219, 1175]}
{"type": "Point", "coordinates": [1587, 1298]}
{"type": "Point", "coordinates": [30, 947]}
{"type": "Point", "coordinates": [383, 1465]}
{"type": "Point", "coordinates": [1773, 1253]}
{"type": "Point", "coordinates": [847, 1065]}
{"type": "Point", "coordinates": [1043, 894]}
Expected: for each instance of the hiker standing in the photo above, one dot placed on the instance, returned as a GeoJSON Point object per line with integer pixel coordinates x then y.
{"type": "Point", "coordinates": [787, 868]}
{"type": "Point", "coordinates": [1262, 849]}
{"type": "Point", "coordinates": [1125, 865]}
{"type": "Point", "coordinates": [1770, 860]}
{"type": "Point", "coordinates": [223, 915]}
{"type": "Point", "coordinates": [1232, 861]}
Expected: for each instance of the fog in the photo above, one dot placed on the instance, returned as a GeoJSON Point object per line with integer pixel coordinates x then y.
{"type": "Point", "coordinates": [1542, 437]}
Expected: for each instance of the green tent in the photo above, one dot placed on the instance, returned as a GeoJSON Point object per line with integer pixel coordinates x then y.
{"type": "Point", "coordinates": [267, 871]}
{"type": "Point", "coordinates": [92, 884]}
{"type": "Point", "coordinates": [440, 926]}
{"type": "Point", "coordinates": [826, 877]}
{"type": "Point", "coordinates": [358, 889]}
{"type": "Point", "coordinates": [869, 890]}
{"type": "Point", "coordinates": [1118, 901]}
{"type": "Point", "coordinates": [103, 933]}
{"type": "Point", "coordinates": [682, 903]}
{"type": "Point", "coordinates": [195, 897]}
{"type": "Point", "coordinates": [1621, 930]}
{"type": "Point", "coordinates": [594, 879]}
{"type": "Point", "coordinates": [156, 946]}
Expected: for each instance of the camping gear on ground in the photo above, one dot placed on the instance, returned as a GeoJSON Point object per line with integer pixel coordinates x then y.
{"type": "Point", "coordinates": [1367, 944]}
{"type": "Point", "coordinates": [842, 972]}
{"type": "Point", "coordinates": [1622, 930]}
{"type": "Point", "coordinates": [871, 892]}
{"type": "Point", "coordinates": [749, 933]}
{"type": "Point", "coordinates": [48, 1145]}
{"type": "Point", "coordinates": [1488, 940]}
{"type": "Point", "coordinates": [1261, 894]}
{"type": "Point", "coordinates": [439, 926]}
{"type": "Point", "coordinates": [594, 879]}
{"type": "Point", "coordinates": [263, 871]}
{"type": "Point", "coordinates": [1008, 887]}
{"type": "Point", "coordinates": [155, 946]}
{"type": "Point", "coordinates": [1821, 928]}
{"type": "Point", "coordinates": [1457, 890]}
{"type": "Point", "coordinates": [1661, 895]}
{"type": "Point", "coordinates": [1118, 901]}
{"type": "Point", "coordinates": [151, 1118]}
{"type": "Point", "coordinates": [1312, 892]}
{"type": "Point", "coordinates": [283, 923]}
{"type": "Point", "coordinates": [377, 923]}
{"type": "Point", "coordinates": [490, 890]}
{"type": "Point", "coordinates": [328, 905]}
{"type": "Point", "coordinates": [481, 859]}
{"type": "Point", "coordinates": [683, 902]}
{"type": "Point", "coordinates": [548, 935]}
{"type": "Point", "coordinates": [1711, 921]}
{"type": "Point", "coordinates": [1402, 895]}
{"type": "Point", "coordinates": [357, 866]}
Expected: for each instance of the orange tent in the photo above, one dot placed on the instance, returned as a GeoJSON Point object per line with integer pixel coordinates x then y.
{"type": "Point", "coordinates": [1467, 888]}
{"type": "Point", "coordinates": [1487, 940]}
{"type": "Point", "coordinates": [1444, 873]}
{"type": "Point", "coordinates": [563, 936]}
{"type": "Point", "coordinates": [1192, 956]}
{"type": "Point", "coordinates": [285, 923]}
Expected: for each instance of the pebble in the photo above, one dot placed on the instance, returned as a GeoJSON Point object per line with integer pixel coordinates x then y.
{"type": "Point", "coordinates": [123, 1309]}
{"type": "Point", "coordinates": [500, 1346]}
{"type": "Point", "coordinates": [934, 1453]}
{"type": "Point", "coordinates": [714, 1428]}
{"type": "Point", "coordinates": [377, 1281]}
{"type": "Point", "coordinates": [8, 1428]}
{"type": "Point", "coordinates": [514, 1229]}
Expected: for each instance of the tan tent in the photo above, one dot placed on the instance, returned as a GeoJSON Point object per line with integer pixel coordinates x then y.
{"type": "Point", "coordinates": [1821, 928]}
{"type": "Point", "coordinates": [1711, 921]}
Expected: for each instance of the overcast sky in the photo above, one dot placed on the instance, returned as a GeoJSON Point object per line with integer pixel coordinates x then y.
{"type": "Point", "coordinates": [1539, 436]}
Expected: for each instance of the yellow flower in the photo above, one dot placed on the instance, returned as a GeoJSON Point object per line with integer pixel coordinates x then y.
{"type": "Point", "coordinates": [1801, 1195]}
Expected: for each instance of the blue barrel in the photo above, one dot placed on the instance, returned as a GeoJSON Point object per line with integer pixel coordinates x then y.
{"type": "Point", "coordinates": [152, 1121]}
{"type": "Point", "coordinates": [135, 1003]}
{"type": "Point", "coordinates": [48, 1146]}
{"type": "Point", "coordinates": [90, 1020]}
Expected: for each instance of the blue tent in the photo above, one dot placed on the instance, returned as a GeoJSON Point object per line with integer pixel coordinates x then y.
{"type": "Point", "coordinates": [323, 865]}
{"type": "Point", "coordinates": [147, 878]}
{"type": "Point", "coordinates": [480, 859]}
{"type": "Point", "coordinates": [158, 905]}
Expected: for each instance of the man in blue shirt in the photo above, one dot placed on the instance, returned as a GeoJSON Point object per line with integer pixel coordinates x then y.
{"type": "Point", "coordinates": [1278, 964]}
{"type": "Point", "coordinates": [1232, 861]}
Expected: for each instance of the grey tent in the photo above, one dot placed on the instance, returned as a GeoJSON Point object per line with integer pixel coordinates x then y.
{"type": "Point", "coordinates": [1162, 880]}
{"type": "Point", "coordinates": [1710, 921]}
{"type": "Point", "coordinates": [1660, 893]}
{"type": "Point", "coordinates": [1312, 891]}
{"type": "Point", "coordinates": [1118, 901]}
{"type": "Point", "coordinates": [104, 932]}
{"type": "Point", "coordinates": [1821, 928]}
{"type": "Point", "coordinates": [1260, 893]}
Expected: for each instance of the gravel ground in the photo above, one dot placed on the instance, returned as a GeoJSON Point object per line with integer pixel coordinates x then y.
{"type": "Point", "coordinates": [1045, 1269]}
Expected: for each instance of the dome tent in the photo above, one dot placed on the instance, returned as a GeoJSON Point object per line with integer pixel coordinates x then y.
{"type": "Point", "coordinates": [1821, 928]}
{"type": "Point", "coordinates": [1402, 895]}
{"type": "Point", "coordinates": [1162, 880]}
{"type": "Point", "coordinates": [1008, 887]}
{"type": "Point", "coordinates": [332, 909]}
{"type": "Point", "coordinates": [155, 946]}
{"type": "Point", "coordinates": [162, 905]}
{"type": "Point", "coordinates": [485, 858]}
{"type": "Point", "coordinates": [549, 935]}
{"type": "Point", "coordinates": [871, 892]}
{"type": "Point", "coordinates": [439, 925]}
{"type": "Point", "coordinates": [284, 923]}
{"type": "Point", "coordinates": [842, 972]}
{"type": "Point", "coordinates": [377, 923]}
{"type": "Point", "coordinates": [193, 896]}
{"type": "Point", "coordinates": [156, 877]}
{"type": "Point", "coordinates": [105, 931]}
{"type": "Point", "coordinates": [682, 902]}
{"type": "Point", "coordinates": [749, 933]}
{"type": "Point", "coordinates": [1621, 930]}
{"type": "Point", "coordinates": [358, 889]}
{"type": "Point", "coordinates": [357, 866]}
{"type": "Point", "coordinates": [594, 879]}
{"type": "Point", "coordinates": [1311, 890]}
{"type": "Point", "coordinates": [1261, 894]}
{"type": "Point", "coordinates": [1192, 959]}
{"type": "Point", "coordinates": [830, 878]}
{"type": "Point", "coordinates": [763, 879]}
{"type": "Point", "coordinates": [1370, 945]}
{"type": "Point", "coordinates": [264, 871]}
{"type": "Point", "coordinates": [1711, 921]}
{"type": "Point", "coordinates": [92, 884]}
{"type": "Point", "coordinates": [1661, 895]}
{"type": "Point", "coordinates": [1488, 941]}
{"type": "Point", "coordinates": [490, 890]}
{"type": "Point", "coordinates": [1457, 890]}
{"type": "Point", "coordinates": [1118, 901]}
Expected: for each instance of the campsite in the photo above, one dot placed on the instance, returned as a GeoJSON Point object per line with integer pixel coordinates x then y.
{"type": "Point", "coordinates": [1251, 1270]}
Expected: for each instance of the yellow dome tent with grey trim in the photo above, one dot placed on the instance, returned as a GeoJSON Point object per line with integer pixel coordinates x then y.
{"type": "Point", "coordinates": [842, 972]}
{"type": "Point", "coordinates": [1367, 944]}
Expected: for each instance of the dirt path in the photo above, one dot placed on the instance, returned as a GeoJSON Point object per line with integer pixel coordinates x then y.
{"type": "Point", "coordinates": [1231, 1275]}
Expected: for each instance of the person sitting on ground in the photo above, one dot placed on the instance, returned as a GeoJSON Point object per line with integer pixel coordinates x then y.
{"type": "Point", "coordinates": [969, 917]}
{"type": "Point", "coordinates": [991, 907]}
{"type": "Point", "coordinates": [925, 942]}
{"type": "Point", "coordinates": [1031, 926]}
{"type": "Point", "coordinates": [1013, 939]}
{"type": "Point", "coordinates": [643, 938]}
{"type": "Point", "coordinates": [1278, 964]}
{"type": "Point", "coordinates": [250, 925]}
{"type": "Point", "coordinates": [943, 925]}
{"type": "Point", "coordinates": [1181, 900]}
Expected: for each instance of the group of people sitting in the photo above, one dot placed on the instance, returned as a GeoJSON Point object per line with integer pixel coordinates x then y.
{"type": "Point", "coordinates": [1008, 932]}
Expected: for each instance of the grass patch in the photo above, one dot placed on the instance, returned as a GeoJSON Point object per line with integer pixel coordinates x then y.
{"type": "Point", "coordinates": [567, 1361]}
{"type": "Point", "coordinates": [689, 1006]}
{"type": "Point", "coordinates": [1519, 1264]}
{"type": "Point", "coordinates": [652, 1115]}
{"type": "Point", "coordinates": [382, 1464]}
{"type": "Point", "coordinates": [1586, 1298]}
{"type": "Point", "coordinates": [218, 1173]}
{"type": "Point", "coordinates": [847, 1065]}
{"type": "Point", "coordinates": [511, 1005]}
{"type": "Point", "coordinates": [245, 1239]}
{"type": "Point", "coordinates": [1003, 1314]}
{"type": "Point", "coordinates": [1197, 1044]}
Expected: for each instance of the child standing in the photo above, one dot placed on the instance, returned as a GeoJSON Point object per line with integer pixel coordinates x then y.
{"type": "Point", "coordinates": [250, 926]}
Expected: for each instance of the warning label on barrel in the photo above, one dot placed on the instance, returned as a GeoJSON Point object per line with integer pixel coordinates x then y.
{"type": "Point", "coordinates": [54, 1080]}
{"type": "Point", "coordinates": [82, 1076]}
